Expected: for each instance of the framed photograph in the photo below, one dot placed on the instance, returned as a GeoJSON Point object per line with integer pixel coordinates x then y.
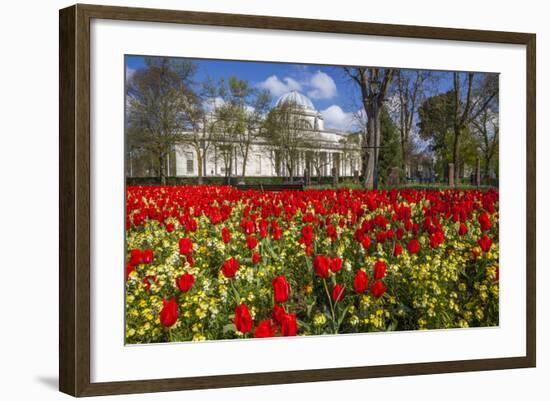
{"type": "Point", "coordinates": [250, 200]}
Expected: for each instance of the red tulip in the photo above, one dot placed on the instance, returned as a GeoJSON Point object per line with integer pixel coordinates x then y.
{"type": "Point", "coordinates": [264, 329]}
{"type": "Point", "coordinates": [413, 246]}
{"type": "Point", "coordinates": [321, 264]}
{"type": "Point", "coordinates": [485, 243]}
{"type": "Point", "coordinates": [256, 258]}
{"type": "Point", "coordinates": [249, 227]}
{"type": "Point", "coordinates": [397, 249]}
{"type": "Point", "coordinates": [263, 228]}
{"type": "Point", "coordinates": [484, 221]}
{"type": "Point", "coordinates": [378, 289]}
{"type": "Point", "coordinates": [226, 235]}
{"type": "Point", "coordinates": [379, 269]}
{"type": "Point", "coordinates": [129, 269]}
{"type": "Point", "coordinates": [436, 239]}
{"type": "Point", "coordinates": [192, 225]}
{"type": "Point", "coordinates": [366, 242]}
{"type": "Point", "coordinates": [289, 326]}
{"type": "Point", "coordinates": [230, 267]}
{"type": "Point", "coordinates": [278, 313]}
{"type": "Point", "coordinates": [360, 281]}
{"type": "Point", "coordinates": [281, 289]}
{"type": "Point", "coordinates": [277, 233]}
{"type": "Point", "coordinates": [169, 312]}
{"type": "Point", "coordinates": [147, 256]}
{"type": "Point", "coordinates": [462, 229]}
{"type": "Point", "coordinates": [399, 233]}
{"type": "Point", "coordinates": [185, 282]}
{"type": "Point", "coordinates": [186, 246]}
{"type": "Point", "coordinates": [336, 264]}
{"type": "Point", "coordinates": [135, 257]}
{"type": "Point", "coordinates": [243, 320]}
{"type": "Point", "coordinates": [338, 292]}
{"type": "Point", "coordinates": [251, 242]}
{"type": "Point", "coordinates": [307, 234]}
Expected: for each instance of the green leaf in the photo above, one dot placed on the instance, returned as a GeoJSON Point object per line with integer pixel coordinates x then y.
{"type": "Point", "coordinates": [341, 319]}
{"type": "Point", "coordinates": [392, 326]}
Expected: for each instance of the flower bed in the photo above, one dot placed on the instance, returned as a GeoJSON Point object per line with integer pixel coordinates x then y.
{"type": "Point", "coordinates": [214, 262]}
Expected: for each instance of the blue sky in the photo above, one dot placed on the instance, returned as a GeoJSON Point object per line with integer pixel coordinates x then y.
{"type": "Point", "coordinates": [329, 89]}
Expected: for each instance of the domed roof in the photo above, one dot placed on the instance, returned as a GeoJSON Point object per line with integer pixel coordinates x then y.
{"type": "Point", "coordinates": [296, 98]}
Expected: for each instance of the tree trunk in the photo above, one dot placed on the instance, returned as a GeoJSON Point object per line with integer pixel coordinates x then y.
{"type": "Point", "coordinates": [455, 153]}
{"type": "Point", "coordinates": [486, 169]}
{"type": "Point", "coordinates": [290, 172]}
{"type": "Point", "coordinates": [403, 155]}
{"type": "Point", "coordinates": [245, 160]}
{"type": "Point", "coordinates": [373, 140]}
{"type": "Point", "coordinates": [161, 170]}
{"type": "Point", "coordinates": [199, 169]}
{"type": "Point", "coordinates": [375, 172]}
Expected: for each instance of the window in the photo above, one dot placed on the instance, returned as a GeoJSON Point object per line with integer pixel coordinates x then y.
{"type": "Point", "coordinates": [190, 162]}
{"type": "Point", "coordinates": [259, 165]}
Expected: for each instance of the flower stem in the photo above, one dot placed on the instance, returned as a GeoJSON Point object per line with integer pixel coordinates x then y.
{"type": "Point", "coordinates": [331, 307]}
{"type": "Point", "coordinates": [234, 291]}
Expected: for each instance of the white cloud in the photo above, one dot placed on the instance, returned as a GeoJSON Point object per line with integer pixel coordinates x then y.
{"type": "Point", "coordinates": [277, 87]}
{"type": "Point", "coordinates": [323, 86]}
{"type": "Point", "coordinates": [212, 104]}
{"type": "Point", "coordinates": [129, 73]}
{"type": "Point", "coordinates": [337, 118]}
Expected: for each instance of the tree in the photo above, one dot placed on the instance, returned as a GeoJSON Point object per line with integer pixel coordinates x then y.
{"type": "Point", "coordinates": [435, 125]}
{"type": "Point", "coordinates": [466, 107]}
{"type": "Point", "coordinates": [199, 136]}
{"type": "Point", "coordinates": [390, 154]}
{"type": "Point", "coordinates": [158, 105]}
{"type": "Point", "coordinates": [409, 90]}
{"type": "Point", "coordinates": [220, 124]}
{"type": "Point", "coordinates": [486, 128]}
{"type": "Point", "coordinates": [317, 159]}
{"type": "Point", "coordinates": [288, 135]}
{"type": "Point", "coordinates": [373, 84]}
{"type": "Point", "coordinates": [252, 110]}
{"type": "Point", "coordinates": [351, 148]}
{"type": "Point", "coordinates": [235, 120]}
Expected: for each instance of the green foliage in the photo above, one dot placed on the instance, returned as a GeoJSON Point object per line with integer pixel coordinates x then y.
{"type": "Point", "coordinates": [159, 100]}
{"type": "Point", "coordinates": [390, 152]}
{"type": "Point", "coordinates": [236, 119]}
{"type": "Point", "coordinates": [435, 126]}
{"type": "Point", "coordinates": [286, 133]}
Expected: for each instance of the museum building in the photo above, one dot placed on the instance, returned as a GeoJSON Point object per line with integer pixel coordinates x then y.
{"type": "Point", "coordinates": [331, 149]}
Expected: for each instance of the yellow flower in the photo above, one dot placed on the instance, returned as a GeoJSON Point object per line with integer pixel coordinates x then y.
{"type": "Point", "coordinates": [319, 319]}
{"type": "Point", "coordinates": [199, 337]}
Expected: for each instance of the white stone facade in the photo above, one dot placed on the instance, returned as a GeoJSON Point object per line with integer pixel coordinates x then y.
{"type": "Point", "coordinates": [332, 147]}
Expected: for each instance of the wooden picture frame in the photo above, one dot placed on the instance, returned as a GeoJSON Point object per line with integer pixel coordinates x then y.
{"type": "Point", "coordinates": [74, 203]}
